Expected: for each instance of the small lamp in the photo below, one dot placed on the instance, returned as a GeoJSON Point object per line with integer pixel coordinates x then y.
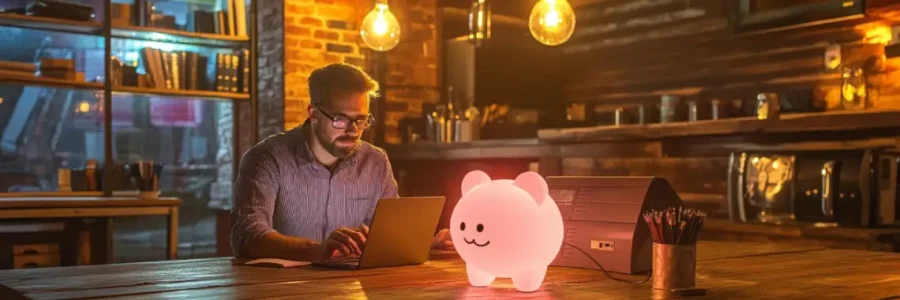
{"type": "Point", "coordinates": [380, 29]}
{"type": "Point", "coordinates": [507, 229]}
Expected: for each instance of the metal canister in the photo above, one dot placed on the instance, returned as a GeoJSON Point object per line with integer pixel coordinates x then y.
{"type": "Point", "coordinates": [719, 109]}
{"type": "Point", "coordinates": [674, 266]}
{"type": "Point", "coordinates": [620, 116]}
{"type": "Point", "coordinates": [692, 111]}
{"type": "Point", "coordinates": [642, 114]}
{"type": "Point", "coordinates": [668, 108]}
{"type": "Point", "coordinates": [768, 106]}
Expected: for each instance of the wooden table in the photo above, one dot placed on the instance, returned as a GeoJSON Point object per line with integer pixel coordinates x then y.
{"type": "Point", "coordinates": [728, 270]}
{"type": "Point", "coordinates": [94, 207]}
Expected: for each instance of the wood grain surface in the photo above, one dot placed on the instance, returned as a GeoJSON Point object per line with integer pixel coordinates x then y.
{"type": "Point", "coordinates": [84, 202]}
{"type": "Point", "coordinates": [727, 270]}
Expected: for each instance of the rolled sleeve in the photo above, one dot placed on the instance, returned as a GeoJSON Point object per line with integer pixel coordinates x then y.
{"type": "Point", "coordinates": [255, 191]}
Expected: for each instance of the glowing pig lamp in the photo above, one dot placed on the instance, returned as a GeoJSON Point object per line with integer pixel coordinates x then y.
{"type": "Point", "coordinates": [507, 229]}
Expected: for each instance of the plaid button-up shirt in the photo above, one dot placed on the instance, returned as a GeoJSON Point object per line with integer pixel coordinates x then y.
{"type": "Point", "coordinates": [281, 187]}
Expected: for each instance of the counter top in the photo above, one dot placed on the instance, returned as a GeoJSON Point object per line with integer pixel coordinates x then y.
{"type": "Point", "coordinates": [872, 239]}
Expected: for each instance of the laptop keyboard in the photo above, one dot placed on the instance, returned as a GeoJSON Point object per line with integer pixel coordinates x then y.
{"type": "Point", "coordinates": [344, 260]}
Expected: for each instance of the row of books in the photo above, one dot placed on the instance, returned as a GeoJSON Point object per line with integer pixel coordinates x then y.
{"type": "Point", "coordinates": [231, 21]}
{"type": "Point", "coordinates": [185, 70]}
{"type": "Point", "coordinates": [57, 68]}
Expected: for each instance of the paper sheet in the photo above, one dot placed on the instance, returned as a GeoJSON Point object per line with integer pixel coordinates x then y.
{"type": "Point", "coordinates": [275, 262]}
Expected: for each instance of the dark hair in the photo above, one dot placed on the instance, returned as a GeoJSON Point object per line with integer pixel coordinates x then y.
{"type": "Point", "coordinates": [336, 78]}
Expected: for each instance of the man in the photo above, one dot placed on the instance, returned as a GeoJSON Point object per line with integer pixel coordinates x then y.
{"type": "Point", "coordinates": [309, 193]}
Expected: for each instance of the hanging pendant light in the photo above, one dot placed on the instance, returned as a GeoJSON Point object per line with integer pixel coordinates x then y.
{"type": "Point", "coordinates": [380, 30]}
{"type": "Point", "coordinates": [479, 22]}
{"type": "Point", "coordinates": [552, 22]}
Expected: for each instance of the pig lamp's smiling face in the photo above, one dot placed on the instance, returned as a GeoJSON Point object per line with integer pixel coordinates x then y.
{"type": "Point", "coordinates": [492, 220]}
{"type": "Point", "coordinates": [480, 228]}
{"type": "Point", "coordinates": [491, 223]}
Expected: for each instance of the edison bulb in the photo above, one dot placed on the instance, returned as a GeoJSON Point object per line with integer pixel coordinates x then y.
{"type": "Point", "coordinates": [380, 29]}
{"type": "Point", "coordinates": [552, 22]}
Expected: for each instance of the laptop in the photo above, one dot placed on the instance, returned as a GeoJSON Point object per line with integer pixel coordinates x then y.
{"type": "Point", "coordinates": [401, 233]}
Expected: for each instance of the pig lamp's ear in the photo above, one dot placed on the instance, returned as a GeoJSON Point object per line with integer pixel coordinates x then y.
{"type": "Point", "coordinates": [473, 179]}
{"type": "Point", "coordinates": [534, 184]}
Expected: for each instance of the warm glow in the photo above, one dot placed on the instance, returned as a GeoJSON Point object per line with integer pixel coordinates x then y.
{"type": "Point", "coordinates": [381, 26]}
{"type": "Point", "coordinates": [84, 107]}
{"type": "Point", "coordinates": [380, 29]}
{"type": "Point", "coordinates": [552, 22]}
{"type": "Point", "coordinates": [551, 19]}
{"type": "Point", "coordinates": [506, 229]}
{"type": "Point", "coordinates": [877, 33]}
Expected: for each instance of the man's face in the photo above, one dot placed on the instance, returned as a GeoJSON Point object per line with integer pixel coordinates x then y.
{"type": "Point", "coordinates": [351, 109]}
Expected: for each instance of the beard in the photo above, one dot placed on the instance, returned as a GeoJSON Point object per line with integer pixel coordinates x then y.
{"type": "Point", "coordinates": [331, 145]}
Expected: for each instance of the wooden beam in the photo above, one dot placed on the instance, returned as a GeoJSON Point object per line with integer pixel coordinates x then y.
{"type": "Point", "coordinates": [496, 19]}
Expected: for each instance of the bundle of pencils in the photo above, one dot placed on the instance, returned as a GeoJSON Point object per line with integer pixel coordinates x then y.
{"type": "Point", "coordinates": [675, 226]}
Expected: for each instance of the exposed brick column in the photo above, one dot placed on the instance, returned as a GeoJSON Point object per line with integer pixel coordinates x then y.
{"type": "Point", "coordinates": [270, 59]}
{"type": "Point", "coordinates": [413, 64]}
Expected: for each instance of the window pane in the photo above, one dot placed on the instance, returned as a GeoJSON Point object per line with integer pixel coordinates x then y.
{"type": "Point", "coordinates": [192, 138]}
{"type": "Point", "coordinates": [44, 129]}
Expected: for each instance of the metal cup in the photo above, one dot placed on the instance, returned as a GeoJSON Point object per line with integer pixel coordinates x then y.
{"type": "Point", "coordinates": [674, 266]}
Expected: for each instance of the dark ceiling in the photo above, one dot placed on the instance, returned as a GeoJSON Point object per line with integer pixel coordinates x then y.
{"type": "Point", "coordinates": [514, 8]}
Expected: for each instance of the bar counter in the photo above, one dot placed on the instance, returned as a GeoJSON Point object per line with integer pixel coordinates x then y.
{"type": "Point", "coordinates": [692, 156]}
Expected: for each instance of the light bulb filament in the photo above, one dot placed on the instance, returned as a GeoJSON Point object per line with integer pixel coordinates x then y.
{"type": "Point", "coordinates": [551, 19]}
{"type": "Point", "coordinates": [380, 26]}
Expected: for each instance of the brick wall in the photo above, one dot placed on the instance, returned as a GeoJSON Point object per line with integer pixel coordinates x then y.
{"type": "Point", "coordinates": [412, 78]}
{"type": "Point", "coordinates": [320, 32]}
{"type": "Point", "coordinates": [270, 59]}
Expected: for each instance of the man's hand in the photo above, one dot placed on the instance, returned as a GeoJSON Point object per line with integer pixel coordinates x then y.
{"type": "Point", "coordinates": [346, 241]}
{"type": "Point", "coordinates": [443, 241]}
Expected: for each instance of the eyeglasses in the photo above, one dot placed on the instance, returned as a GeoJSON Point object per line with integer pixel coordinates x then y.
{"type": "Point", "coordinates": [341, 122]}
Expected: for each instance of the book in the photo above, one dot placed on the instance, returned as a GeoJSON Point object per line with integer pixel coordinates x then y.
{"type": "Point", "coordinates": [275, 263]}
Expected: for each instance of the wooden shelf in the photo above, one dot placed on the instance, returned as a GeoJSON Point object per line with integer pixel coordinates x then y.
{"type": "Point", "coordinates": [180, 37]}
{"type": "Point", "coordinates": [14, 77]}
{"type": "Point", "coordinates": [490, 149]}
{"type": "Point", "coordinates": [181, 93]}
{"type": "Point", "coordinates": [51, 194]}
{"type": "Point", "coordinates": [44, 23]}
{"type": "Point", "coordinates": [19, 78]}
{"type": "Point", "coordinates": [126, 32]}
{"type": "Point", "coordinates": [799, 122]}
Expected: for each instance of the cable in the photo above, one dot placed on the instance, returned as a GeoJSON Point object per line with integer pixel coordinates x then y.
{"type": "Point", "coordinates": [604, 270]}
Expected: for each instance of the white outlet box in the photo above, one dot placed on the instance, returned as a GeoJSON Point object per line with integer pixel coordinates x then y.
{"type": "Point", "coordinates": [603, 245]}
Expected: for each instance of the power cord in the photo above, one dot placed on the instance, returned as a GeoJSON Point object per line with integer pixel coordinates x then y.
{"type": "Point", "coordinates": [604, 270]}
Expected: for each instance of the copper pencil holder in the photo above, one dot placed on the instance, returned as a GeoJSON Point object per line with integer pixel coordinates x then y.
{"type": "Point", "coordinates": [674, 266]}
